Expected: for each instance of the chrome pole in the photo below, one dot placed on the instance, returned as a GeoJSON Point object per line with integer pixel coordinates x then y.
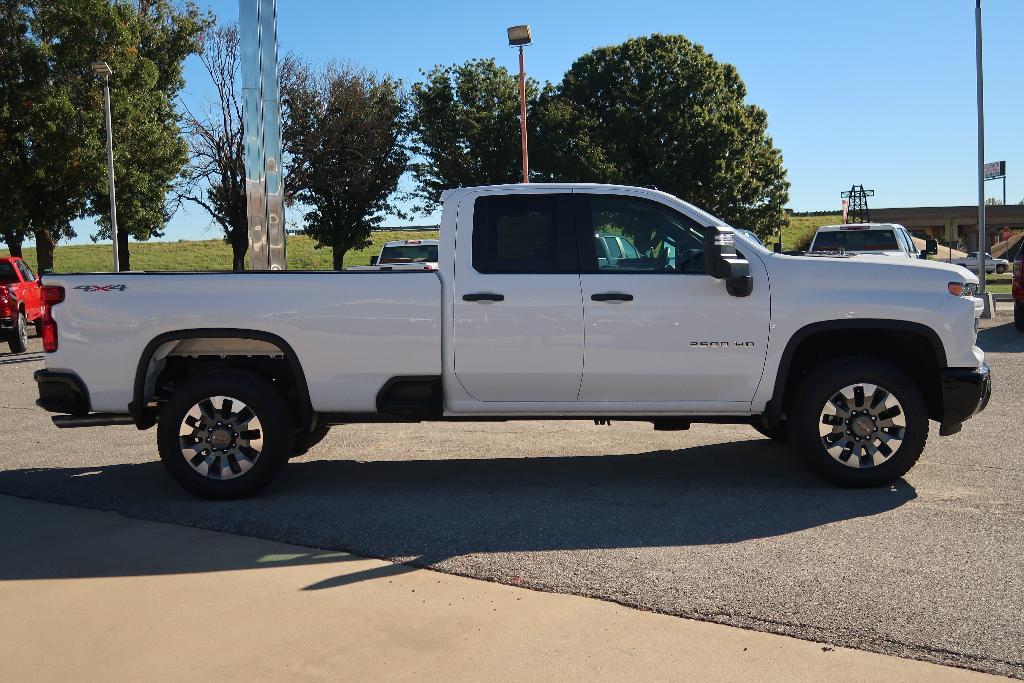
{"type": "Point", "coordinates": [110, 172]}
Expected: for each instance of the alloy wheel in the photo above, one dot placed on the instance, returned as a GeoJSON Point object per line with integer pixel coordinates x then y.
{"type": "Point", "coordinates": [862, 425]}
{"type": "Point", "coordinates": [221, 437]}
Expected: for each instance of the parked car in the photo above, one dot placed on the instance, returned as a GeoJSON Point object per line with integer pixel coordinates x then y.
{"type": "Point", "coordinates": [992, 265]}
{"type": "Point", "coordinates": [523, 321]}
{"type": "Point", "coordinates": [880, 239]}
{"type": "Point", "coordinates": [1018, 290]}
{"type": "Point", "coordinates": [404, 255]}
{"type": "Point", "coordinates": [20, 302]}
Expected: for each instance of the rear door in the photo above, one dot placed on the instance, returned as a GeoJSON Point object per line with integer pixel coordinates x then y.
{"type": "Point", "coordinates": [657, 327]}
{"type": "Point", "coordinates": [518, 308]}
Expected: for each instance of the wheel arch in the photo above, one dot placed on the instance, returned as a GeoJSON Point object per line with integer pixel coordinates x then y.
{"type": "Point", "coordinates": [891, 340]}
{"type": "Point", "coordinates": [145, 417]}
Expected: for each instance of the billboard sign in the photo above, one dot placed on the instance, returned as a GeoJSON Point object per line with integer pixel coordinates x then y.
{"type": "Point", "coordinates": [994, 169]}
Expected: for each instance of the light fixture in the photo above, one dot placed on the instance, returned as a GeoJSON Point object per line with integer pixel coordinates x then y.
{"type": "Point", "coordinates": [520, 35]}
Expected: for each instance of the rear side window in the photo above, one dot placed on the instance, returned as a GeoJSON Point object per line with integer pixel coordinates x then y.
{"type": "Point", "coordinates": [524, 234]}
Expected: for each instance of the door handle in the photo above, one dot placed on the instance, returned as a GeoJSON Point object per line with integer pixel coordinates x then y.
{"type": "Point", "coordinates": [611, 296]}
{"type": "Point", "coordinates": [483, 296]}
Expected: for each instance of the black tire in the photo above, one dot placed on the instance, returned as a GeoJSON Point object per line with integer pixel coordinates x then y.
{"type": "Point", "coordinates": [275, 434]}
{"type": "Point", "coordinates": [306, 440]}
{"type": "Point", "coordinates": [817, 391]}
{"type": "Point", "coordinates": [1018, 315]}
{"type": "Point", "coordinates": [1000, 270]}
{"type": "Point", "coordinates": [18, 341]}
{"type": "Point", "coordinates": [38, 326]}
{"type": "Point", "coordinates": [779, 433]}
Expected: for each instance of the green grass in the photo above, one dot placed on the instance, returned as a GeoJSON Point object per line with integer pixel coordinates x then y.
{"type": "Point", "coordinates": [798, 233]}
{"type": "Point", "coordinates": [207, 254]}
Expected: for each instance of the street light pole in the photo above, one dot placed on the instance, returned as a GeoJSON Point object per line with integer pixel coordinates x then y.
{"type": "Point", "coordinates": [521, 36]}
{"type": "Point", "coordinates": [522, 115]}
{"type": "Point", "coordinates": [982, 244]}
{"type": "Point", "coordinates": [102, 69]}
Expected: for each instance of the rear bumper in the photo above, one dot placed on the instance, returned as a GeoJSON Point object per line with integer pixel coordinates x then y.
{"type": "Point", "coordinates": [965, 393]}
{"type": "Point", "coordinates": [61, 392]}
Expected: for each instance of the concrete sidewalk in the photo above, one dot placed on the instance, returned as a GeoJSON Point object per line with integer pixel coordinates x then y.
{"type": "Point", "coordinates": [91, 595]}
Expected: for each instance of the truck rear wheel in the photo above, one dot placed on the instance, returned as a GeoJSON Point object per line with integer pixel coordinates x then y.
{"type": "Point", "coordinates": [859, 422]}
{"type": "Point", "coordinates": [1018, 315]}
{"type": "Point", "coordinates": [18, 343]}
{"type": "Point", "coordinates": [225, 435]}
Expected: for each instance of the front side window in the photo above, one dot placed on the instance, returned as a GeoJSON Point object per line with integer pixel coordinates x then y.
{"type": "Point", "coordinates": [26, 272]}
{"type": "Point", "coordinates": [524, 234]}
{"type": "Point", "coordinates": [648, 237]}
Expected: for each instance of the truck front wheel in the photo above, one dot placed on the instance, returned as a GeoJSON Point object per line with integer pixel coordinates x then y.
{"type": "Point", "coordinates": [859, 422]}
{"type": "Point", "coordinates": [224, 435]}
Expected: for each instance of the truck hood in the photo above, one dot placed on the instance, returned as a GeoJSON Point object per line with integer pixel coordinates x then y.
{"type": "Point", "coordinates": [875, 266]}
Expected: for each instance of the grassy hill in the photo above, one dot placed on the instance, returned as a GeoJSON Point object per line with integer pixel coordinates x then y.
{"type": "Point", "coordinates": [207, 254]}
{"type": "Point", "coordinates": [801, 228]}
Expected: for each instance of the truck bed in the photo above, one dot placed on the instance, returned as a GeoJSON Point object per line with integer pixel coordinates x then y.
{"type": "Point", "coordinates": [351, 332]}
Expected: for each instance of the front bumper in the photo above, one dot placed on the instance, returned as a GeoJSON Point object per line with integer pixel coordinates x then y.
{"type": "Point", "coordinates": [6, 324]}
{"type": "Point", "coordinates": [965, 393]}
{"type": "Point", "coordinates": [61, 392]}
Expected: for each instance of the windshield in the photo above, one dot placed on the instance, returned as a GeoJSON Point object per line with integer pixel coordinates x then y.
{"type": "Point", "coordinates": [7, 274]}
{"type": "Point", "coordinates": [409, 253]}
{"type": "Point", "coordinates": [856, 240]}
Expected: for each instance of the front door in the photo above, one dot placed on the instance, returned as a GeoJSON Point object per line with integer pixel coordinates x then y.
{"type": "Point", "coordinates": [518, 310]}
{"type": "Point", "coordinates": [657, 328]}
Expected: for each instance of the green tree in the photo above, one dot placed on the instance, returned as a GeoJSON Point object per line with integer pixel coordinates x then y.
{"type": "Point", "coordinates": [465, 127]}
{"type": "Point", "coordinates": [146, 45]}
{"type": "Point", "coordinates": [19, 72]}
{"type": "Point", "coordinates": [660, 111]}
{"type": "Point", "coordinates": [60, 125]}
{"type": "Point", "coordinates": [345, 131]}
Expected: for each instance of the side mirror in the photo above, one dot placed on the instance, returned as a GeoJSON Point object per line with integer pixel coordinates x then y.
{"type": "Point", "coordinates": [373, 260]}
{"type": "Point", "coordinates": [723, 263]}
{"type": "Point", "coordinates": [777, 247]}
{"type": "Point", "coordinates": [931, 247]}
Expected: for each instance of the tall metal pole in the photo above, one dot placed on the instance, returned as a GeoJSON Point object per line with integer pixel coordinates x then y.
{"type": "Point", "coordinates": [110, 172]}
{"type": "Point", "coordinates": [981, 147]}
{"type": "Point", "coordinates": [522, 114]}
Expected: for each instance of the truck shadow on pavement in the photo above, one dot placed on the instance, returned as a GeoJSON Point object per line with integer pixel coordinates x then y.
{"type": "Point", "coordinates": [1001, 339]}
{"type": "Point", "coordinates": [423, 512]}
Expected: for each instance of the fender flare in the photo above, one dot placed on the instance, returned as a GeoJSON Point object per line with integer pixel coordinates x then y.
{"type": "Point", "coordinates": [773, 409]}
{"type": "Point", "coordinates": [144, 418]}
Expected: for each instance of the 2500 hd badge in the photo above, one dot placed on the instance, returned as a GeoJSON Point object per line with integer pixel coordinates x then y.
{"type": "Point", "coordinates": [723, 344]}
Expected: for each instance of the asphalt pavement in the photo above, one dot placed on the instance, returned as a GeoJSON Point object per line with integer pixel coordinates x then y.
{"type": "Point", "coordinates": [716, 523]}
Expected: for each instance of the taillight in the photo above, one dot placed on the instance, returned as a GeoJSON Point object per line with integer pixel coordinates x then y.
{"type": "Point", "coordinates": [51, 297]}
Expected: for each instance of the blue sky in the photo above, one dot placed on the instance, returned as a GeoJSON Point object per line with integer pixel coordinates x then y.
{"type": "Point", "coordinates": [873, 92]}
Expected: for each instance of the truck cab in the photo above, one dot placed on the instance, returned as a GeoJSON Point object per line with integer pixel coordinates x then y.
{"type": "Point", "coordinates": [881, 239]}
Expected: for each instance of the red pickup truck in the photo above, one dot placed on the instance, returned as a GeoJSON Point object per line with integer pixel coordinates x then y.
{"type": "Point", "coordinates": [21, 302]}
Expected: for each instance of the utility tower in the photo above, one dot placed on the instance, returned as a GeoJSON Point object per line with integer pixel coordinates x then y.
{"type": "Point", "coordinates": [858, 197]}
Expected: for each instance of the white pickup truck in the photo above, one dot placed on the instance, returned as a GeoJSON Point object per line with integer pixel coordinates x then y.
{"type": "Point", "coordinates": [847, 357]}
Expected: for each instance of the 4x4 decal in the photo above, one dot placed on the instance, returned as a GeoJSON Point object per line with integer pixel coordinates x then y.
{"type": "Point", "coordinates": [102, 288]}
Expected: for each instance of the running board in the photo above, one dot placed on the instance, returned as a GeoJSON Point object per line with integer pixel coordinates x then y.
{"type": "Point", "coordinates": [92, 420]}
